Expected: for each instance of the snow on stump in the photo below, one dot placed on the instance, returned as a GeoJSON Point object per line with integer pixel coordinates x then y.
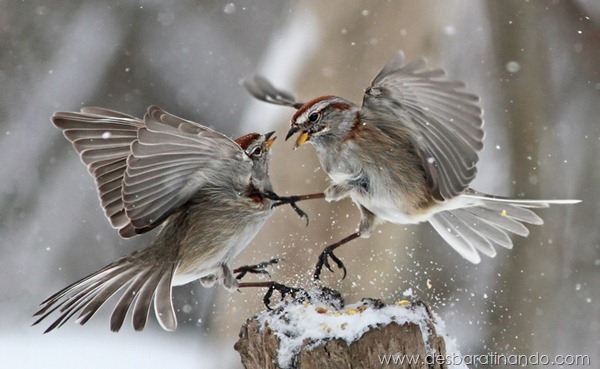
{"type": "Point", "coordinates": [323, 333]}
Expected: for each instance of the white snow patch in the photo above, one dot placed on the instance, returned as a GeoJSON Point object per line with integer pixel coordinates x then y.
{"type": "Point", "coordinates": [319, 322]}
{"type": "Point", "coordinates": [96, 347]}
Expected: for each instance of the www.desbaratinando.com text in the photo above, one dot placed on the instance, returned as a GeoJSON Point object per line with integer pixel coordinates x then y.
{"type": "Point", "coordinates": [487, 359]}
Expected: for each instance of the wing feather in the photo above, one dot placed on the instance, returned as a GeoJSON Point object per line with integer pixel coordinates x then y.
{"type": "Point", "coordinates": [170, 160]}
{"type": "Point", "coordinates": [262, 89]}
{"type": "Point", "coordinates": [144, 169]}
{"type": "Point", "coordinates": [446, 121]}
{"type": "Point", "coordinates": [102, 138]}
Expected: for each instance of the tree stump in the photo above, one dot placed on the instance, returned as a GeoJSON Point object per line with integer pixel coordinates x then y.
{"type": "Point", "coordinates": [326, 334]}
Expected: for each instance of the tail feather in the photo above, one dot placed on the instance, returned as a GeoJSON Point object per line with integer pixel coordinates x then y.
{"type": "Point", "coordinates": [487, 230]}
{"type": "Point", "coordinates": [102, 294]}
{"type": "Point", "coordinates": [127, 299]}
{"type": "Point", "coordinates": [69, 308]}
{"type": "Point", "coordinates": [449, 232]}
{"type": "Point", "coordinates": [77, 285]}
{"type": "Point", "coordinates": [79, 292]}
{"type": "Point", "coordinates": [486, 222]}
{"type": "Point", "coordinates": [471, 235]}
{"type": "Point", "coordinates": [516, 212]}
{"type": "Point", "coordinates": [141, 309]}
{"type": "Point", "coordinates": [145, 283]}
{"type": "Point", "coordinates": [163, 302]}
{"type": "Point", "coordinates": [525, 203]}
{"type": "Point", "coordinates": [496, 218]}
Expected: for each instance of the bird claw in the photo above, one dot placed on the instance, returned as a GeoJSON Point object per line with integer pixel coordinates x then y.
{"type": "Point", "coordinates": [260, 268]}
{"type": "Point", "coordinates": [324, 262]}
{"type": "Point", "coordinates": [300, 212]}
{"type": "Point", "coordinates": [291, 200]}
{"type": "Point", "coordinates": [284, 291]}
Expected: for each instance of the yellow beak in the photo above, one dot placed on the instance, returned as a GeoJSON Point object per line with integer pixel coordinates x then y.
{"type": "Point", "coordinates": [270, 141]}
{"type": "Point", "coordinates": [301, 139]}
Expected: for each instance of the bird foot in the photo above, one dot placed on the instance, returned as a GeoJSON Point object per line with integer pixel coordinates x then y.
{"type": "Point", "coordinates": [260, 268]}
{"type": "Point", "coordinates": [299, 294]}
{"type": "Point", "coordinates": [291, 200]}
{"type": "Point", "coordinates": [324, 261]}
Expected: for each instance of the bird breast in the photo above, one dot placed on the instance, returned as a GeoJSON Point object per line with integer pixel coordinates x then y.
{"type": "Point", "coordinates": [213, 231]}
{"type": "Point", "coordinates": [387, 189]}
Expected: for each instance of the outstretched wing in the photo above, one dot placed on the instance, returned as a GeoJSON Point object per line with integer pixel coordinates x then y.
{"type": "Point", "coordinates": [445, 119]}
{"type": "Point", "coordinates": [103, 138]}
{"type": "Point", "coordinates": [170, 160]}
{"type": "Point", "coordinates": [262, 89]}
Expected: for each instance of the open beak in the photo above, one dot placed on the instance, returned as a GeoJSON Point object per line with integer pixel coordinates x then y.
{"type": "Point", "coordinates": [291, 132]}
{"type": "Point", "coordinates": [301, 139]}
{"type": "Point", "coordinates": [270, 139]}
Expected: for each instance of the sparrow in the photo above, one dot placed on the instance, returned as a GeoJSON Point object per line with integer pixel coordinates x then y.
{"type": "Point", "coordinates": [208, 194]}
{"type": "Point", "coordinates": [407, 155]}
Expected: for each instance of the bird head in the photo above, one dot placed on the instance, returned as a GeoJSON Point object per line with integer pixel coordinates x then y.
{"type": "Point", "coordinates": [321, 117]}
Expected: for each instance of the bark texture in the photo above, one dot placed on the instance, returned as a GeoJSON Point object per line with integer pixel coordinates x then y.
{"type": "Point", "coordinates": [258, 347]}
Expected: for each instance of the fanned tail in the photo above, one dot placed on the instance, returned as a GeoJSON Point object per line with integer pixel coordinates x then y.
{"type": "Point", "coordinates": [487, 223]}
{"type": "Point", "coordinates": [146, 284]}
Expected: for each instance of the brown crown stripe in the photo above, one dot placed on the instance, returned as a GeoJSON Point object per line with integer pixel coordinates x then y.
{"type": "Point", "coordinates": [306, 106]}
{"type": "Point", "coordinates": [245, 140]}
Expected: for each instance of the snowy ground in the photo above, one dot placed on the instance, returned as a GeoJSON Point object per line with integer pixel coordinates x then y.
{"type": "Point", "coordinates": [85, 348]}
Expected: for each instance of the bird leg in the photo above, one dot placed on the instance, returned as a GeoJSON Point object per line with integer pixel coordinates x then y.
{"type": "Point", "coordinates": [292, 200]}
{"type": "Point", "coordinates": [260, 268]}
{"type": "Point", "coordinates": [328, 253]}
{"type": "Point", "coordinates": [296, 293]}
{"type": "Point", "coordinates": [282, 200]}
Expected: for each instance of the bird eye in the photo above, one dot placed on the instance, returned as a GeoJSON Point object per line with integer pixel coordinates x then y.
{"type": "Point", "coordinates": [256, 152]}
{"type": "Point", "coordinates": [313, 117]}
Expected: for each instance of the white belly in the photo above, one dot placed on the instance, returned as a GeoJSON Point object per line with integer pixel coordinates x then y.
{"type": "Point", "coordinates": [390, 205]}
{"type": "Point", "coordinates": [388, 209]}
{"type": "Point", "coordinates": [392, 210]}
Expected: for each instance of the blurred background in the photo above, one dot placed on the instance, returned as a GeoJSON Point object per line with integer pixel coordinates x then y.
{"type": "Point", "coordinates": [535, 64]}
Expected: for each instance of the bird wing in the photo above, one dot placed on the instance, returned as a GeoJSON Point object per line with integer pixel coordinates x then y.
{"type": "Point", "coordinates": [262, 89]}
{"type": "Point", "coordinates": [103, 137]}
{"type": "Point", "coordinates": [445, 120]}
{"type": "Point", "coordinates": [170, 160]}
